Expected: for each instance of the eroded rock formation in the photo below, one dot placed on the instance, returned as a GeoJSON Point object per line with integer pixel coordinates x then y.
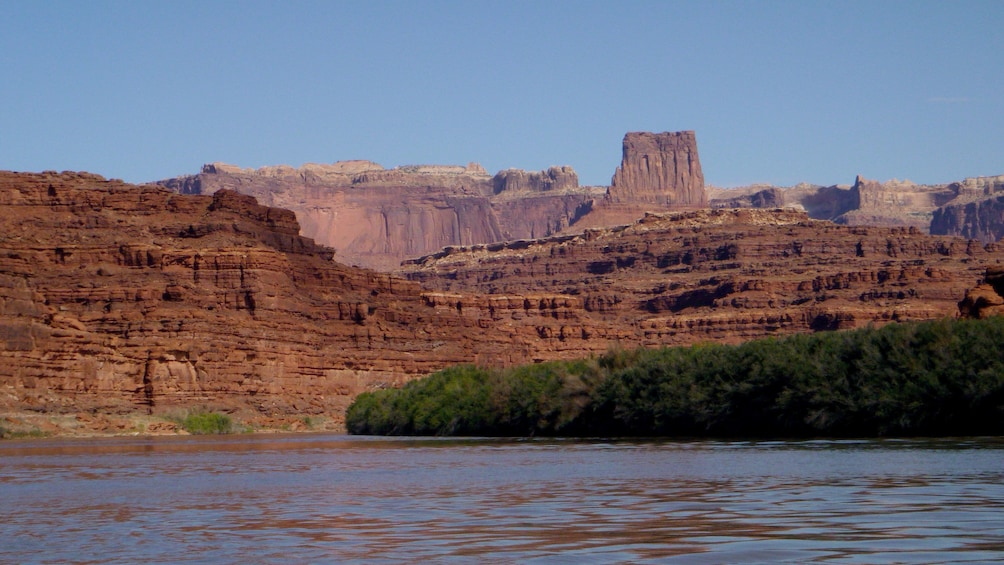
{"type": "Point", "coordinates": [972, 208]}
{"type": "Point", "coordinates": [987, 299]}
{"type": "Point", "coordinates": [977, 212]}
{"type": "Point", "coordinates": [660, 169]}
{"type": "Point", "coordinates": [116, 299]}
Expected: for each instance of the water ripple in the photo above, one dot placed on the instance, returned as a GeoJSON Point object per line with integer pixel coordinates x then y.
{"type": "Point", "coordinates": [332, 498]}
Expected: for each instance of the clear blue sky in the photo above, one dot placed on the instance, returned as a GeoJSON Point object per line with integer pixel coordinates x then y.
{"type": "Point", "coordinates": [777, 92]}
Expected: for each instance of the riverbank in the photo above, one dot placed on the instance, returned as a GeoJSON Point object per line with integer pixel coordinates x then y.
{"type": "Point", "coordinates": [936, 378]}
{"type": "Point", "coordinates": [19, 425]}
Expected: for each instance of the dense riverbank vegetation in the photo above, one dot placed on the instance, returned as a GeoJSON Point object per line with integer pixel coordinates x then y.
{"type": "Point", "coordinates": [943, 377]}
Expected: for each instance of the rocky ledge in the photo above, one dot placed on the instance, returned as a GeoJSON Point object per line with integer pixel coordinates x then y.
{"type": "Point", "coordinates": [723, 275]}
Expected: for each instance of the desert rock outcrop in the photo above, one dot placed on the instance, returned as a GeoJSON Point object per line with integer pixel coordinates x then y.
{"type": "Point", "coordinates": [119, 299]}
{"type": "Point", "coordinates": [977, 212]}
{"type": "Point", "coordinates": [987, 299]}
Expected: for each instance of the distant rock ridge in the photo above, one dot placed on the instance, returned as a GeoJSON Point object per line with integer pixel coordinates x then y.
{"type": "Point", "coordinates": [977, 212]}
{"type": "Point", "coordinates": [377, 217]}
{"type": "Point", "coordinates": [971, 208]}
{"type": "Point", "coordinates": [519, 181]}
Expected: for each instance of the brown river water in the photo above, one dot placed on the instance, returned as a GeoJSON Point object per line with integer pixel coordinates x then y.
{"type": "Point", "coordinates": [338, 499]}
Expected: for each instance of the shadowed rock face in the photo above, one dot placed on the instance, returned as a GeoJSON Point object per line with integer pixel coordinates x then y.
{"type": "Point", "coordinates": [977, 213]}
{"type": "Point", "coordinates": [987, 299]}
{"type": "Point", "coordinates": [662, 169]}
{"type": "Point", "coordinates": [971, 208]}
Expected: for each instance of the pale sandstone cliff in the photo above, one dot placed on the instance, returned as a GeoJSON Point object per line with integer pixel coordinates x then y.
{"type": "Point", "coordinates": [970, 208]}
{"type": "Point", "coordinates": [377, 217]}
{"type": "Point", "coordinates": [977, 213]}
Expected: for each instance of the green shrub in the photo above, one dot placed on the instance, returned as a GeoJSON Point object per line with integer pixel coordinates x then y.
{"type": "Point", "coordinates": [932, 378]}
{"type": "Point", "coordinates": [204, 423]}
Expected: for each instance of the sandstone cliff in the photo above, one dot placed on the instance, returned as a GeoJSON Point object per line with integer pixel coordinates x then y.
{"type": "Point", "coordinates": [118, 299]}
{"type": "Point", "coordinates": [376, 217]}
{"type": "Point", "coordinates": [970, 208]}
{"type": "Point", "coordinates": [977, 212]}
{"type": "Point", "coordinates": [722, 275]}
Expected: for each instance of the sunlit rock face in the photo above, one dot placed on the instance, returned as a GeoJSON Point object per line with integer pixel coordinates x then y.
{"type": "Point", "coordinates": [724, 275]}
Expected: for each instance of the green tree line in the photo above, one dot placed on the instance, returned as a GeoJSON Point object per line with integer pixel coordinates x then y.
{"type": "Point", "coordinates": [942, 377]}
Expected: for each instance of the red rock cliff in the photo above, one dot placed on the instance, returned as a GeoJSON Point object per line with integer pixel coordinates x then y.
{"type": "Point", "coordinates": [121, 299]}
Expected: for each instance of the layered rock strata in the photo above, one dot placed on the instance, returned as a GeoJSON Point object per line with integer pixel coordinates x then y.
{"type": "Point", "coordinates": [971, 208]}
{"type": "Point", "coordinates": [120, 299]}
{"type": "Point", "coordinates": [724, 275]}
{"type": "Point", "coordinates": [986, 299]}
{"type": "Point", "coordinates": [376, 217]}
{"type": "Point", "coordinates": [117, 299]}
{"type": "Point", "coordinates": [977, 213]}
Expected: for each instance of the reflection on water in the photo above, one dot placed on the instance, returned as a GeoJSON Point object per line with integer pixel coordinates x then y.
{"type": "Point", "coordinates": [336, 498]}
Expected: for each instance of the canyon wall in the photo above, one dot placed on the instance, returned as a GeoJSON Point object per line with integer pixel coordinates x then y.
{"type": "Point", "coordinates": [376, 217]}
{"type": "Point", "coordinates": [123, 299]}
{"type": "Point", "coordinates": [120, 299]}
{"type": "Point", "coordinates": [971, 208]}
{"type": "Point", "coordinates": [977, 213]}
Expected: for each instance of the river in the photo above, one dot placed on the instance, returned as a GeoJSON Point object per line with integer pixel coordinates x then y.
{"type": "Point", "coordinates": [332, 498]}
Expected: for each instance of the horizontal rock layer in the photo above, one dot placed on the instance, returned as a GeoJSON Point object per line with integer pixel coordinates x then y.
{"type": "Point", "coordinates": [117, 298]}
{"type": "Point", "coordinates": [724, 275]}
{"type": "Point", "coordinates": [970, 208]}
